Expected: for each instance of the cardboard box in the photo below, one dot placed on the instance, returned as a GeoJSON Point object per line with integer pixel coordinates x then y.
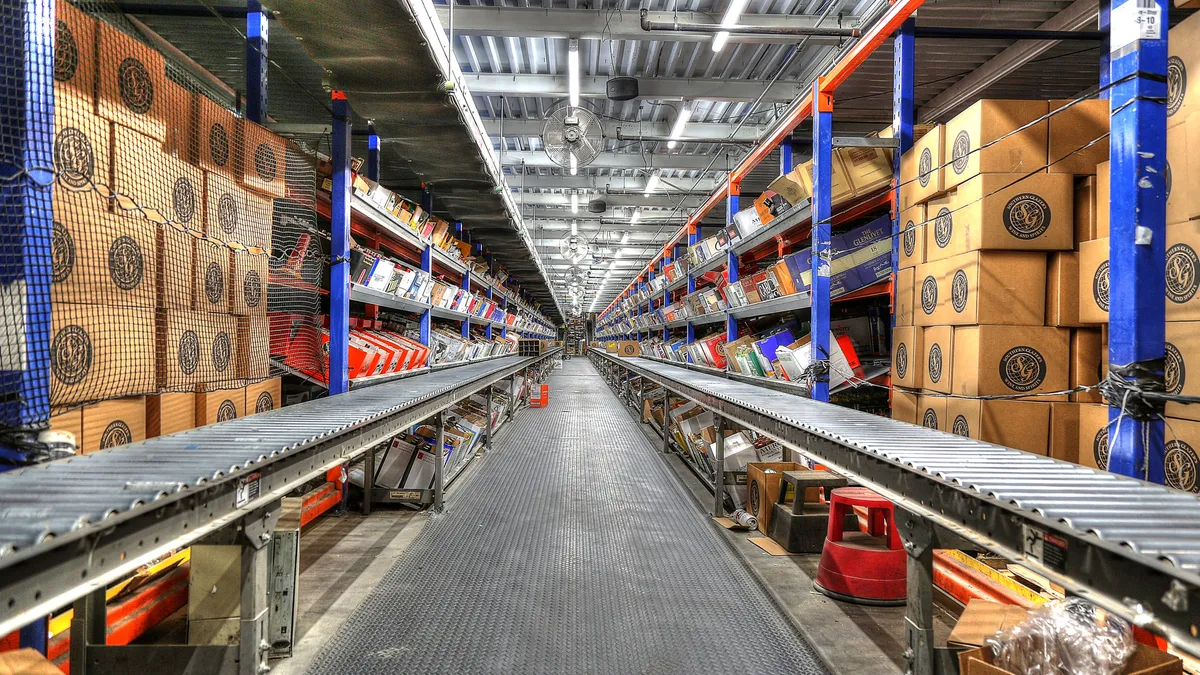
{"type": "Point", "coordinates": [1183, 67]}
{"type": "Point", "coordinates": [170, 413]}
{"type": "Point", "coordinates": [1145, 661]}
{"type": "Point", "coordinates": [1088, 363]}
{"type": "Point", "coordinates": [1183, 360]}
{"type": "Point", "coordinates": [1093, 436]}
{"type": "Point", "coordinates": [1182, 276]}
{"type": "Point", "coordinates": [219, 405]}
{"type": "Point", "coordinates": [1023, 425]}
{"type": "Point", "coordinates": [628, 348]}
{"type": "Point", "coordinates": [988, 121]}
{"type": "Point", "coordinates": [213, 146]}
{"type": "Point", "coordinates": [1093, 281]}
{"type": "Point", "coordinates": [1078, 136]}
{"type": "Point", "coordinates": [938, 232]}
{"type": "Point", "coordinates": [264, 396]}
{"type": "Point", "coordinates": [1102, 200]}
{"type": "Point", "coordinates": [1062, 289]}
{"type": "Point", "coordinates": [1085, 209]}
{"type": "Point", "coordinates": [111, 423]}
{"type": "Point", "coordinates": [153, 184]}
{"type": "Point", "coordinates": [1064, 431]}
{"type": "Point", "coordinates": [931, 412]}
{"type": "Point", "coordinates": [982, 619]}
{"type": "Point", "coordinates": [254, 347]}
{"type": "Point", "coordinates": [175, 268]}
{"type": "Point", "coordinates": [912, 241]}
{"type": "Point", "coordinates": [210, 282]}
{"type": "Point", "coordinates": [82, 149]}
{"type": "Point", "coordinates": [982, 287]}
{"type": "Point", "coordinates": [937, 358]}
{"type": "Point", "coordinates": [869, 169]}
{"type": "Point", "coordinates": [1183, 169]}
{"type": "Point", "coordinates": [906, 299]}
{"type": "Point", "coordinates": [1182, 461]}
{"type": "Point", "coordinates": [74, 56]}
{"type": "Point", "coordinates": [908, 346]}
{"type": "Point", "coordinates": [840, 188]}
{"type": "Point", "coordinates": [921, 176]}
{"type": "Point", "coordinates": [263, 162]}
{"type": "Point", "coordinates": [1035, 214]}
{"type": "Point", "coordinates": [26, 661]}
{"type": "Point", "coordinates": [790, 186]}
{"type": "Point", "coordinates": [762, 489]}
{"type": "Point", "coordinates": [195, 348]}
{"type": "Point", "coordinates": [131, 83]}
{"type": "Point", "coordinates": [232, 214]}
{"type": "Point", "coordinates": [100, 352]}
{"type": "Point", "coordinates": [1003, 360]}
{"type": "Point", "coordinates": [249, 293]}
{"type": "Point", "coordinates": [904, 406]}
{"type": "Point", "coordinates": [102, 259]}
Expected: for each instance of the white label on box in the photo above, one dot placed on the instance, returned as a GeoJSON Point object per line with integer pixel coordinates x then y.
{"type": "Point", "coordinates": [1134, 20]}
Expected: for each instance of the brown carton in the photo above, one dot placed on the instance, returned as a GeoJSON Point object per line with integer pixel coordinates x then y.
{"type": "Point", "coordinates": [905, 296]}
{"type": "Point", "coordinates": [931, 412]}
{"type": "Point", "coordinates": [904, 406]}
{"type": "Point", "coordinates": [1182, 275]}
{"type": "Point", "coordinates": [263, 163]}
{"type": "Point", "coordinates": [1005, 360]}
{"type": "Point", "coordinates": [1183, 68]}
{"type": "Point", "coordinates": [1088, 360]}
{"type": "Point", "coordinates": [234, 215]}
{"type": "Point", "coordinates": [211, 279]}
{"type": "Point", "coordinates": [1078, 136]}
{"type": "Point", "coordinates": [1064, 431]}
{"type": "Point", "coordinates": [982, 287]}
{"type": "Point", "coordinates": [1085, 209]}
{"type": "Point", "coordinates": [1023, 425]}
{"type": "Point", "coordinates": [170, 413]}
{"type": "Point", "coordinates": [131, 83]}
{"type": "Point", "coordinates": [1183, 170]}
{"type": "Point", "coordinates": [869, 169]}
{"type": "Point", "coordinates": [989, 121]}
{"type": "Point", "coordinates": [219, 405]}
{"type": "Point", "coordinates": [70, 422]}
{"type": "Point", "coordinates": [840, 187]}
{"type": "Point", "coordinates": [74, 56]}
{"type": "Point", "coordinates": [1182, 461]}
{"type": "Point", "coordinates": [214, 147]}
{"type": "Point", "coordinates": [175, 268]}
{"type": "Point", "coordinates": [938, 232]}
{"type": "Point", "coordinates": [153, 184]}
{"type": "Point", "coordinates": [99, 352]}
{"type": "Point", "coordinates": [982, 619]}
{"type": "Point", "coordinates": [1093, 281]}
{"type": "Point", "coordinates": [102, 259]}
{"type": "Point", "coordinates": [111, 423]}
{"type": "Point", "coordinates": [937, 358]}
{"type": "Point", "coordinates": [908, 345]}
{"type": "Point", "coordinates": [249, 293]}
{"type": "Point", "coordinates": [1093, 435]}
{"type": "Point", "coordinates": [1183, 367]}
{"type": "Point", "coordinates": [1145, 661]}
{"type": "Point", "coordinates": [921, 176]}
{"type": "Point", "coordinates": [762, 489]}
{"type": "Point", "coordinates": [790, 186]}
{"type": "Point", "coordinates": [912, 241]}
{"type": "Point", "coordinates": [1034, 214]}
{"type": "Point", "coordinates": [82, 151]}
{"type": "Point", "coordinates": [1062, 289]}
{"type": "Point", "coordinates": [263, 396]}
{"type": "Point", "coordinates": [254, 347]}
{"type": "Point", "coordinates": [195, 348]}
{"type": "Point", "coordinates": [1102, 199]}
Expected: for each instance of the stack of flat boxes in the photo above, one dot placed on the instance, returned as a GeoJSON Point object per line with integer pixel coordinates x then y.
{"type": "Point", "coordinates": [1182, 432]}
{"type": "Point", "coordinates": [142, 303]}
{"type": "Point", "coordinates": [981, 307]}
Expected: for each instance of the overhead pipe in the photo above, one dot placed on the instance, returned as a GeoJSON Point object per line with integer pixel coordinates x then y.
{"type": "Point", "coordinates": [679, 27]}
{"type": "Point", "coordinates": [663, 139]}
{"type": "Point", "coordinates": [613, 192]}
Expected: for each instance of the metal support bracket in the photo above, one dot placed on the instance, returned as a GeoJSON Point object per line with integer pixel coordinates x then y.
{"type": "Point", "coordinates": [864, 142]}
{"type": "Point", "coordinates": [719, 473]}
{"type": "Point", "coordinates": [439, 459]}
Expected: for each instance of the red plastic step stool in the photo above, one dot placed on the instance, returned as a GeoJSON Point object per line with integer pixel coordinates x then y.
{"type": "Point", "coordinates": [869, 567]}
{"type": "Point", "coordinates": [542, 399]}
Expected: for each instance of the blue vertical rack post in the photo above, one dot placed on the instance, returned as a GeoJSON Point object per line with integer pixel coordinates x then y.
{"type": "Point", "coordinates": [731, 209]}
{"type": "Point", "coordinates": [339, 273]}
{"type": "Point", "coordinates": [256, 62]}
{"type": "Point", "coordinates": [466, 286]}
{"type": "Point", "coordinates": [903, 112]}
{"type": "Point", "coordinates": [1137, 213]}
{"type": "Point", "coordinates": [785, 159]}
{"type": "Point", "coordinates": [1104, 25]}
{"type": "Point", "coordinates": [666, 298]}
{"type": "Point", "coordinates": [426, 320]}
{"type": "Point", "coordinates": [26, 220]}
{"type": "Point", "coordinates": [693, 239]}
{"type": "Point", "coordinates": [487, 330]}
{"type": "Point", "coordinates": [372, 153]}
{"type": "Point", "coordinates": [822, 257]}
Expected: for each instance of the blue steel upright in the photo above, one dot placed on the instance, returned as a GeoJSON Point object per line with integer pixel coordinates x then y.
{"type": "Point", "coordinates": [693, 239]}
{"type": "Point", "coordinates": [731, 209]}
{"type": "Point", "coordinates": [372, 153]}
{"type": "Point", "coordinates": [427, 267]}
{"type": "Point", "coordinates": [256, 62]}
{"type": "Point", "coordinates": [822, 256]}
{"type": "Point", "coordinates": [27, 215]}
{"type": "Point", "coordinates": [666, 299]}
{"type": "Point", "coordinates": [903, 112]}
{"type": "Point", "coordinates": [466, 286]}
{"type": "Point", "coordinates": [339, 271]}
{"type": "Point", "coordinates": [1137, 216]}
{"type": "Point", "coordinates": [1105, 19]}
{"type": "Point", "coordinates": [487, 331]}
{"type": "Point", "coordinates": [785, 158]}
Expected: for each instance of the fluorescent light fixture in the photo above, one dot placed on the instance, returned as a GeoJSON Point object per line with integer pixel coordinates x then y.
{"type": "Point", "coordinates": [573, 68]}
{"type": "Point", "coordinates": [680, 122]}
{"type": "Point", "coordinates": [651, 184]}
{"type": "Point", "coordinates": [732, 14]}
{"type": "Point", "coordinates": [574, 228]}
{"type": "Point", "coordinates": [574, 202]}
{"type": "Point", "coordinates": [574, 165]}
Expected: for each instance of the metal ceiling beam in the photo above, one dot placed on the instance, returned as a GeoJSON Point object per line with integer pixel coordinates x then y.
{"type": "Point", "coordinates": [657, 88]}
{"type": "Point", "coordinates": [600, 183]}
{"type": "Point", "coordinates": [1077, 16]}
{"type": "Point", "coordinates": [532, 128]}
{"type": "Point", "coordinates": [614, 160]}
{"type": "Point", "coordinates": [605, 24]}
{"type": "Point", "coordinates": [551, 199]}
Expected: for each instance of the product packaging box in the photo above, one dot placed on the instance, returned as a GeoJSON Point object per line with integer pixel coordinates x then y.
{"type": "Point", "coordinates": [1035, 214]}
{"type": "Point", "coordinates": [1023, 425]}
{"type": "Point", "coordinates": [1078, 136]}
{"type": "Point", "coordinates": [840, 186]}
{"type": "Point", "coordinates": [1093, 435]}
{"type": "Point", "coordinates": [170, 413]}
{"type": "Point", "coordinates": [1088, 363]}
{"type": "Point", "coordinates": [153, 185]}
{"type": "Point", "coordinates": [921, 175]}
{"type": "Point", "coordinates": [938, 233]}
{"type": "Point", "coordinates": [1062, 289]}
{"type": "Point", "coordinates": [1102, 195]}
{"type": "Point", "coordinates": [1183, 366]}
{"type": "Point", "coordinates": [790, 186]}
{"type": "Point", "coordinates": [219, 405]}
{"type": "Point", "coordinates": [175, 268]}
{"type": "Point", "coordinates": [82, 151]}
{"type": "Point", "coordinates": [214, 145]}
{"type": "Point", "coordinates": [937, 360]}
{"type": "Point", "coordinates": [1064, 431]}
{"type": "Point", "coordinates": [1007, 360]}
{"type": "Point", "coordinates": [869, 169]}
{"type": "Point", "coordinates": [114, 422]}
{"type": "Point", "coordinates": [904, 406]}
{"type": "Point", "coordinates": [131, 84]}
{"type": "Point", "coordinates": [249, 275]}
{"type": "Point", "coordinates": [906, 296]}
{"type": "Point", "coordinates": [101, 259]}
{"type": "Point", "coordinates": [70, 422]}
{"type": "Point", "coordinates": [1182, 275]}
{"type": "Point", "coordinates": [74, 55]}
{"type": "Point", "coordinates": [235, 215]}
{"type": "Point", "coordinates": [908, 345]}
{"type": "Point", "coordinates": [1183, 169]}
{"type": "Point", "coordinates": [982, 287]}
{"type": "Point", "coordinates": [254, 347]}
{"type": "Point", "coordinates": [912, 241]}
{"type": "Point", "coordinates": [1183, 67]}
{"type": "Point", "coordinates": [988, 121]}
{"type": "Point", "coordinates": [100, 352]}
{"type": "Point", "coordinates": [263, 163]}
{"type": "Point", "coordinates": [931, 412]}
{"type": "Point", "coordinates": [263, 396]}
{"type": "Point", "coordinates": [1085, 208]}
{"type": "Point", "coordinates": [210, 283]}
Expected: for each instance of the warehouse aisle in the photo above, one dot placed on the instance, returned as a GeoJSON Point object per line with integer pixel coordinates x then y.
{"type": "Point", "coordinates": [569, 549]}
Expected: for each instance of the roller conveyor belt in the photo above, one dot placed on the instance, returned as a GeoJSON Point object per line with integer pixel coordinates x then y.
{"type": "Point", "coordinates": [1131, 546]}
{"type": "Point", "coordinates": [94, 517]}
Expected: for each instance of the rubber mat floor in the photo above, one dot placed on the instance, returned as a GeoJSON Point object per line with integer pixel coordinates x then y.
{"type": "Point", "coordinates": [570, 548]}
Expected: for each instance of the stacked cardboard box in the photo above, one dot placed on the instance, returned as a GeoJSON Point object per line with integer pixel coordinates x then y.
{"type": "Point", "coordinates": [984, 302]}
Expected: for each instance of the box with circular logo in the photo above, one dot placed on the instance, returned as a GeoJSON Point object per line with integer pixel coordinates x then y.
{"type": "Point", "coordinates": [1182, 370]}
{"type": "Point", "coordinates": [984, 139]}
{"type": "Point", "coordinates": [1035, 214]}
{"type": "Point", "coordinates": [112, 423]}
{"type": "Point", "coordinates": [1182, 275]}
{"type": "Point", "coordinates": [263, 396]}
{"type": "Point", "coordinates": [154, 185]}
{"type": "Point", "coordinates": [1183, 60]}
{"type": "Point", "coordinates": [219, 405]}
{"type": "Point", "coordinates": [1004, 360]}
{"type": "Point", "coordinates": [74, 55]}
{"type": "Point", "coordinates": [921, 176]}
{"type": "Point", "coordinates": [213, 146]}
{"type": "Point", "coordinates": [211, 281]}
{"type": "Point", "coordinates": [195, 347]}
{"type": "Point", "coordinates": [1089, 363]}
{"type": "Point", "coordinates": [912, 239]}
{"type": "Point", "coordinates": [102, 259]}
{"type": "Point", "coordinates": [254, 347]}
{"type": "Point", "coordinates": [234, 215]}
{"type": "Point", "coordinates": [935, 360]}
{"type": "Point", "coordinates": [906, 299]}
{"type": "Point", "coordinates": [175, 268]}
{"type": "Point", "coordinates": [908, 345]}
{"type": "Point", "coordinates": [131, 83]}
{"type": "Point", "coordinates": [99, 352]}
{"type": "Point", "coordinates": [262, 165]}
{"type": "Point", "coordinates": [1023, 425]}
{"type": "Point", "coordinates": [937, 233]}
{"type": "Point", "coordinates": [82, 152]}
{"type": "Point", "coordinates": [931, 412]}
{"type": "Point", "coordinates": [982, 287]}
{"type": "Point", "coordinates": [249, 275]}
